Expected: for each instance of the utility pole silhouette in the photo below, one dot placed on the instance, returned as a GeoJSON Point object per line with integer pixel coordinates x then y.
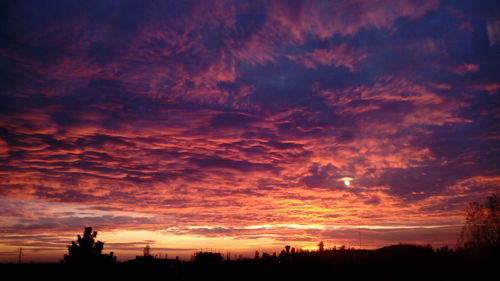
{"type": "Point", "coordinates": [20, 255]}
{"type": "Point", "coordinates": [359, 234]}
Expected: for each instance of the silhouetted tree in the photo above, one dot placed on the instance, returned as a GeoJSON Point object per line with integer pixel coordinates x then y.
{"type": "Point", "coordinates": [321, 246]}
{"type": "Point", "coordinates": [282, 254]}
{"type": "Point", "coordinates": [266, 256]}
{"type": "Point", "coordinates": [482, 225]}
{"type": "Point", "coordinates": [86, 250]}
{"type": "Point", "coordinates": [147, 251]}
{"type": "Point", "coordinates": [287, 248]}
{"type": "Point", "coordinates": [256, 255]}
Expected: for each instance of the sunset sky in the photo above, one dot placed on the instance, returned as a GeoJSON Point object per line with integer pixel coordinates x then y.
{"type": "Point", "coordinates": [231, 125]}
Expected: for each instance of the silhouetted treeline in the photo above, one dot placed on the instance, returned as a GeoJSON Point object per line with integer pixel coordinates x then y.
{"type": "Point", "coordinates": [397, 262]}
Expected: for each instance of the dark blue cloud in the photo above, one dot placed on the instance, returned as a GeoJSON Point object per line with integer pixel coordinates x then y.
{"type": "Point", "coordinates": [232, 120]}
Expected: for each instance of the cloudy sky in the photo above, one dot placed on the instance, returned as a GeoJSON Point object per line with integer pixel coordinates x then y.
{"type": "Point", "coordinates": [230, 125]}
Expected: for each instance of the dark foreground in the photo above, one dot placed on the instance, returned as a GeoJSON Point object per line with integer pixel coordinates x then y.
{"type": "Point", "coordinates": [401, 262]}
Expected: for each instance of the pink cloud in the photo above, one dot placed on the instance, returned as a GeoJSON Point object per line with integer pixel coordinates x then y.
{"type": "Point", "coordinates": [490, 87]}
{"type": "Point", "coordinates": [338, 56]}
{"type": "Point", "coordinates": [464, 68]}
{"type": "Point", "coordinates": [345, 17]}
{"type": "Point", "coordinates": [386, 89]}
{"type": "Point", "coordinates": [465, 25]}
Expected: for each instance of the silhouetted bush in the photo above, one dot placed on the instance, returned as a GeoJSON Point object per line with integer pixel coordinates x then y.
{"type": "Point", "coordinates": [86, 250]}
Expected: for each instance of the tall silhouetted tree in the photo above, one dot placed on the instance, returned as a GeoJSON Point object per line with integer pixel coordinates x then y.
{"type": "Point", "coordinates": [482, 226]}
{"type": "Point", "coordinates": [321, 246]}
{"type": "Point", "coordinates": [147, 251]}
{"type": "Point", "coordinates": [86, 250]}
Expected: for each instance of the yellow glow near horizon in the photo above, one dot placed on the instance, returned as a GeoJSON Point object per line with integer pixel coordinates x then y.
{"type": "Point", "coordinates": [182, 245]}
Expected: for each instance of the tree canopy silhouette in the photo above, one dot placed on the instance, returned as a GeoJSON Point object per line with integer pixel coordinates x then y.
{"type": "Point", "coordinates": [321, 246]}
{"type": "Point", "coordinates": [482, 224]}
{"type": "Point", "coordinates": [86, 250]}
